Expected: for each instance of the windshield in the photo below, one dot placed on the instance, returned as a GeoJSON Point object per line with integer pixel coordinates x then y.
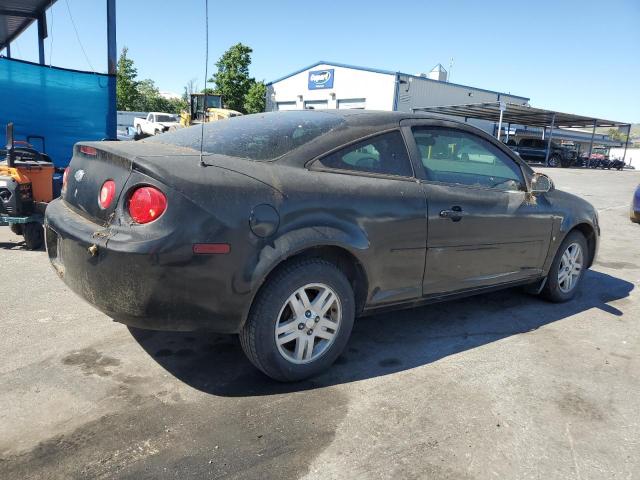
{"type": "Point", "coordinates": [263, 136]}
{"type": "Point", "coordinates": [214, 101]}
{"type": "Point", "coordinates": [165, 118]}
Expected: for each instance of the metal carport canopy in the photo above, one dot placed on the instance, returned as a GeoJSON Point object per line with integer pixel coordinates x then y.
{"type": "Point", "coordinates": [17, 15]}
{"type": "Point", "coordinates": [520, 114]}
{"type": "Point", "coordinates": [515, 113]}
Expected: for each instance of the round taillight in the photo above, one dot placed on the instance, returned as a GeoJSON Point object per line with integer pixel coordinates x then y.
{"type": "Point", "coordinates": [64, 178]}
{"type": "Point", "coordinates": [107, 192]}
{"type": "Point", "coordinates": [146, 204]}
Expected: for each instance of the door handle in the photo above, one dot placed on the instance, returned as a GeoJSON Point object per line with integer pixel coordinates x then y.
{"type": "Point", "coordinates": [455, 214]}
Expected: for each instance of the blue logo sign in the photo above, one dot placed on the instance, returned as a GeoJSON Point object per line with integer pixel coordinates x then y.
{"type": "Point", "coordinates": [319, 79]}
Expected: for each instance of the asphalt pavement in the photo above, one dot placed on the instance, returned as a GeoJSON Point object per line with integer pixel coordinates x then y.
{"type": "Point", "coordinates": [502, 385]}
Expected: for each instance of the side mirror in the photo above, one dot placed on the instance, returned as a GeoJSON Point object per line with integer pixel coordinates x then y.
{"type": "Point", "coordinates": [540, 183]}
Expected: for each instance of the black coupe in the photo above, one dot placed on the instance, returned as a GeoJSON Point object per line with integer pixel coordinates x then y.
{"type": "Point", "coordinates": [286, 226]}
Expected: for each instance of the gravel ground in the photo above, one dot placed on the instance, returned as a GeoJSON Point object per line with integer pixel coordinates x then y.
{"type": "Point", "coordinates": [502, 385]}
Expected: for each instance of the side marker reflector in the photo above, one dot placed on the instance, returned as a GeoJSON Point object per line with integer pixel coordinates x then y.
{"type": "Point", "coordinates": [211, 248]}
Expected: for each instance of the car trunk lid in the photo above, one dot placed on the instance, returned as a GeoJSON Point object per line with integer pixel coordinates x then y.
{"type": "Point", "coordinates": [93, 163]}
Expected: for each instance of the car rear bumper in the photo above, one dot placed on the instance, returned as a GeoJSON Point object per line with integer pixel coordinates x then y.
{"type": "Point", "coordinates": [139, 283]}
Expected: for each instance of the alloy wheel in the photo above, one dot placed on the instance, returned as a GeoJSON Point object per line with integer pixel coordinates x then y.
{"type": "Point", "coordinates": [570, 267]}
{"type": "Point", "coordinates": [308, 323]}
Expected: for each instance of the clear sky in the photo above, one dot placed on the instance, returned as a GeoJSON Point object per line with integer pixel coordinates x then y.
{"type": "Point", "coordinates": [573, 56]}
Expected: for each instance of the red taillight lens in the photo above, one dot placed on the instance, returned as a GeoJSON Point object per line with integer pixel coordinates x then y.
{"type": "Point", "coordinates": [88, 150]}
{"type": "Point", "coordinates": [146, 204]}
{"type": "Point", "coordinates": [64, 178]}
{"type": "Point", "coordinates": [107, 192]}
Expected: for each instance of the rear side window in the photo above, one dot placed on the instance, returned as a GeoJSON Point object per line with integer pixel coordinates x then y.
{"type": "Point", "coordinates": [264, 136]}
{"type": "Point", "coordinates": [383, 154]}
{"type": "Point", "coordinates": [457, 157]}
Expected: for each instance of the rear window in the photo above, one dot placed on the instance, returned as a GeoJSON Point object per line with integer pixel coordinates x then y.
{"type": "Point", "coordinates": [165, 118]}
{"type": "Point", "coordinates": [263, 136]}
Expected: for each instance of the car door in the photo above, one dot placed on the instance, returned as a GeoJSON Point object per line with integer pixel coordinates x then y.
{"type": "Point", "coordinates": [483, 226]}
{"type": "Point", "coordinates": [373, 189]}
{"type": "Point", "coordinates": [148, 125]}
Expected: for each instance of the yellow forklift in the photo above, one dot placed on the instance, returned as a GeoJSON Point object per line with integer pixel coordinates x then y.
{"type": "Point", "coordinates": [205, 108]}
{"type": "Point", "coordinates": [26, 187]}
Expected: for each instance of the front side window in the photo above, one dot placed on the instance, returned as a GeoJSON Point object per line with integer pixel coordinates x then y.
{"type": "Point", "coordinates": [384, 154]}
{"type": "Point", "coordinates": [457, 157]}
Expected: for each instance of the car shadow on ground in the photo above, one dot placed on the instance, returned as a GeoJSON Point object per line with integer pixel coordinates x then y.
{"type": "Point", "coordinates": [19, 245]}
{"type": "Point", "coordinates": [381, 344]}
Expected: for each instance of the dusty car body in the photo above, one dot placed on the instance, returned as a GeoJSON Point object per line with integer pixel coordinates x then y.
{"type": "Point", "coordinates": [634, 214]}
{"type": "Point", "coordinates": [369, 209]}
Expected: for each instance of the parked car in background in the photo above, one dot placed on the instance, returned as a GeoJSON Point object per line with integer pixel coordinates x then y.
{"type": "Point", "coordinates": [535, 150]}
{"type": "Point", "coordinates": [155, 123]}
{"type": "Point", "coordinates": [635, 206]}
{"type": "Point", "coordinates": [599, 158]}
{"type": "Point", "coordinates": [291, 224]}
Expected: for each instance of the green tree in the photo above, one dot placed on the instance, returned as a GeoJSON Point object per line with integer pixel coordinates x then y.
{"type": "Point", "coordinates": [141, 95]}
{"type": "Point", "coordinates": [254, 100]}
{"type": "Point", "coordinates": [127, 95]}
{"type": "Point", "coordinates": [232, 78]}
{"type": "Point", "coordinates": [616, 134]}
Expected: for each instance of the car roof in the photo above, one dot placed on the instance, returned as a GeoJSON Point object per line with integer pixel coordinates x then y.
{"type": "Point", "coordinates": [363, 118]}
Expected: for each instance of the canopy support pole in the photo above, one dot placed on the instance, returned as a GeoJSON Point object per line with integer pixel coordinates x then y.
{"type": "Point", "coordinates": [593, 134]}
{"type": "Point", "coordinates": [112, 61]}
{"type": "Point", "coordinates": [553, 124]}
{"type": "Point", "coordinates": [42, 34]}
{"type": "Point", "coordinates": [626, 144]}
{"type": "Point", "coordinates": [8, 50]}
{"type": "Point", "coordinates": [503, 107]}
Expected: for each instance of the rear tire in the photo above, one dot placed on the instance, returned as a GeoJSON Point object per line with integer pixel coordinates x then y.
{"type": "Point", "coordinates": [567, 268]}
{"type": "Point", "coordinates": [16, 228]}
{"type": "Point", "coordinates": [300, 321]}
{"type": "Point", "coordinates": [33, 235]}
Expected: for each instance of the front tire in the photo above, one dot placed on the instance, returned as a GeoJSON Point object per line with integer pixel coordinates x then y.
{"type": "Point", "coordinates": [554, 161]}
{"type": "Point", "coordinates": [567, 269]}
{"type": "Point", "coordinates": [300, 321]}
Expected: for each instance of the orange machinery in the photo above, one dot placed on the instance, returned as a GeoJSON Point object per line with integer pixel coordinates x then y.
{"type": "Point", "coordinates": [26, 186]}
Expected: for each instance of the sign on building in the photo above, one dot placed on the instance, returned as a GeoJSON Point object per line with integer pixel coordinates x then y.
{"type": "Point", "coordinates": [319, 79]}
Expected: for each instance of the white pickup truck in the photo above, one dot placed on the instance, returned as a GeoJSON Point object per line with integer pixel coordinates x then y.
{"type": "Point", "coordinates": [155, 123]}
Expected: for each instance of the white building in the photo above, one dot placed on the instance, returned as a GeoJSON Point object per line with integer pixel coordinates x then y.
{"type": "Point", "coordinates": [328, 85]}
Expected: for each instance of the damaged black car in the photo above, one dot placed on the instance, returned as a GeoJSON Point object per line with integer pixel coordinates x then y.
{"type": "Point", "coordinates": [285, 227]}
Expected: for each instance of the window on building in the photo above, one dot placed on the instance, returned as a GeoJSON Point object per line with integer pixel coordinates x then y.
{"type": "Point", "coordinates": [384, 154]}
{"type": "Point", "coordinates": [457, 157]}
{"type": "Point", "coordinates": [352, 103]}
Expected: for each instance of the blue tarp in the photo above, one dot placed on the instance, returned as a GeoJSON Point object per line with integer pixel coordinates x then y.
{"type": "Point", "coordinates": [63, 106]}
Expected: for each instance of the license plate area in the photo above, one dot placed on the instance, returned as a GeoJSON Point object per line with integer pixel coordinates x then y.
{"type": "Point", "coordinates": [54, 249]}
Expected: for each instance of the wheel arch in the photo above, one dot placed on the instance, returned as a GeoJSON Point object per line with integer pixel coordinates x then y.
{"type": "Point", "coordinates": [589, 233]}
{"type": "Point", "coordinates": [343, 255]}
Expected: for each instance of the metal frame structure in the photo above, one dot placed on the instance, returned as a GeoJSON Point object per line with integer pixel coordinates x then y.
{"type": "Point", "coordinates": [514, 113]}
{"type": "Point", "coordinates": [18, 15]}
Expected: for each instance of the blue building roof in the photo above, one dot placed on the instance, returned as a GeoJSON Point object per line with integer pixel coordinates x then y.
{"type": "Point", "coordinates": [387, 72]}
